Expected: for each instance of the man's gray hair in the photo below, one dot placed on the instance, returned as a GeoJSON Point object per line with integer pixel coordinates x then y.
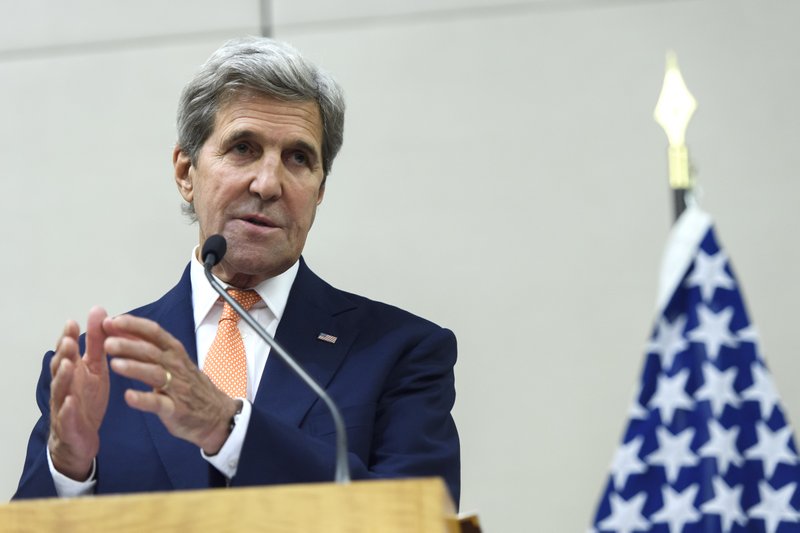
{"type": "Point", "coordinates": [262, 66]}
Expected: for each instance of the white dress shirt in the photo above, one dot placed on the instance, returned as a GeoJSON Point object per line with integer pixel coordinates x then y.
{"type": "Point", "coordinates": [207, 306]}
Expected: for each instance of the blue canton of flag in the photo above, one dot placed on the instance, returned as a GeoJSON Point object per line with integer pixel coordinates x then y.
{"type": "Point", "coordinates": [708, 447]}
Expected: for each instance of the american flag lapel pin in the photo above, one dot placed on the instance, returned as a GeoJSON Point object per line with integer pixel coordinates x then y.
{"type": "Point", "coordinates": [326, 338]}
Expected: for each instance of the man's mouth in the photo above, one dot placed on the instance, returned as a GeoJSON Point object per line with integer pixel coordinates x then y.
{"type": "Point", "coordinates": [258, 221]}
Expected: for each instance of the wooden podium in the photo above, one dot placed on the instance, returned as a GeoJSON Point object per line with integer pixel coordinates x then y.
{"type": "Point", "coordinates": [385, 506]}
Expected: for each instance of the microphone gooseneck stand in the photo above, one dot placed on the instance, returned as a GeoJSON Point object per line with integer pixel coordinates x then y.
{"type": "Point", "coordinates": [213, 251]}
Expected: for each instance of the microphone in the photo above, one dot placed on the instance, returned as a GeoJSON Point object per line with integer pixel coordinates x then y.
{"type": "Point", "coordinates": [213, 251]}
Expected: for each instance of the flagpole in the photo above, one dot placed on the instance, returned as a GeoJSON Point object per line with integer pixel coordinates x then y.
{"type": "Point", "coordinates": [673, 111]}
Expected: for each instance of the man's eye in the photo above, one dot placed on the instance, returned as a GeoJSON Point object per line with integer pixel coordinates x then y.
{"type": "Point", "coordinates": [300, 158]}
{"type": "Point", "coordinates": [241, 148]}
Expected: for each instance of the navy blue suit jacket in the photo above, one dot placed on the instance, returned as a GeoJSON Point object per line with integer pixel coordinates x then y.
{"type": "Point", "coordinates": [390, 372]}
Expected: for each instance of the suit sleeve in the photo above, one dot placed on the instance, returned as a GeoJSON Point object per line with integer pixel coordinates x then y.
{"type": "Point", "coordinates": [36, 480]}
{"type": "Point", "coordinates": [410, 430]}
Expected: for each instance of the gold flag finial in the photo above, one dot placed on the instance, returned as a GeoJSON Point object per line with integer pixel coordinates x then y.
{"type": "Point", "coordinates": [673, 111]}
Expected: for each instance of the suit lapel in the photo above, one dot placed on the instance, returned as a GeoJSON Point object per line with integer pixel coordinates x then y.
{"type": "Point", "coordinates": [182, 461]}
{"type": "Point", "coordinates": [314, 307]}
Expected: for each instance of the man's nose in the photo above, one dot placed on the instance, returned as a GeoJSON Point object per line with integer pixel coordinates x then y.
{"type": "Point", "coordinates": [266, 181]}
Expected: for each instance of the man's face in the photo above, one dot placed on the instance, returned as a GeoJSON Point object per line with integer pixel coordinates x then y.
{"type": "Point", "coordinates": [257, 181]}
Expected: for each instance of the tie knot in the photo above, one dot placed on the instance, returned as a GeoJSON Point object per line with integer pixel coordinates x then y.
{"type": "Point", "coordinates": [246, 299]}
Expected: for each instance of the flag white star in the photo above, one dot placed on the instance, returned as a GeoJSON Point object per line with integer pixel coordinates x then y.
{"type": "Point", "coordinates": [748, 333]}
{"type": "Point", "coordinates": [626, 516]}
{"type": "Point", "coordinates": [714, 330]}
{"type": "Point", "coordinates": [673, 452]}
{"type": "Point", "coordinates": [626, 462]}
{"type": "Point", "coordinates": [678, 509]}
{"type": "Point", "coordinates": [726, 503]}
{"type": "Point", "coordinates": [669, 341]}
{"type": "Point", "coordinates": [637, 411]}
{"type": "Point", "coordinates": [721, 446]}
{"type": "Point", "coordinates": [762, 390]}
{"type": "Point", "coordinates": [771, 448]}
{"type": "Point", "coordinates": [671, 394]}
{"type": "Point", "coordinates": [774, 506]}
{"type": "Point", "coordinates": [709, 274]}
{"type": "Point", "coordinates": [718, 388]}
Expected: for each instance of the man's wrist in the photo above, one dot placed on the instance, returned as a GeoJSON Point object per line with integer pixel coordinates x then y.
{"type": "Point", "coordinates": [235, 417]}
{"type": "Point", "coordinates": [67, 487]}
{"type": "Point", "coordinates": [224, 430]}
{"type": "Point", "coordinates": [74, 470]}
{"type": "Point", "coordinates": [227, 459]}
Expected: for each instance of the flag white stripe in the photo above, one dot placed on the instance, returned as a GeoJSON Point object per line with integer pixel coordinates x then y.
{"type": "Point", "coordinates": [682, 245]}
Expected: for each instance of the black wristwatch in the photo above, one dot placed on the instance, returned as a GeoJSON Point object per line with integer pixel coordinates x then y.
{"type": "Point", "coordinates": [235, 417]}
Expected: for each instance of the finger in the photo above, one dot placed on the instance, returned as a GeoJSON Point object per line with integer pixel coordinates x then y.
{"type": "Point", "coordinates": [95, 337]}
{"type": "Point", "coordinates": [71, 330]}
{"type": "Point", "coordinates": [61, 384]}
{"type": "Point", "coordinates": [150, 402]}
{"type": "Point", "coordinates": [67, 349]}
{"type": "Point", "coordinates": [149, 374]}
{"type": "Point", "coordinates": [129, 325]}
{"type": "Point", "coordinates": [136, 349]}
{"type": "Point", "coordinates": [112, 330]}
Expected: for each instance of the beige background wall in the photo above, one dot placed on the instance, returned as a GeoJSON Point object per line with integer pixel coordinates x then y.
{"type": "Point", "coordinates": [501, 175]}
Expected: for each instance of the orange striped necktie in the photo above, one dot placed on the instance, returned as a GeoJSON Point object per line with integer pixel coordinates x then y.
{"type": "Point", "coordinates": [226, 363]}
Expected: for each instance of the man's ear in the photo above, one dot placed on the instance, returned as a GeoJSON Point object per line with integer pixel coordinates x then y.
{"type": "Point", "coordinates": [183, 175]}
{"type": "Point", "coordinates": [321, 193]}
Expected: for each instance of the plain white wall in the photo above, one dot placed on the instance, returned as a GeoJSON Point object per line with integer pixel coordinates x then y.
{"type": "Point", "coordinates": [501, 175]}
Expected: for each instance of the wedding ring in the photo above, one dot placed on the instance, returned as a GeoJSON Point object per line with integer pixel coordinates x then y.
{"type": "Point", "coordinates": [167, 381]}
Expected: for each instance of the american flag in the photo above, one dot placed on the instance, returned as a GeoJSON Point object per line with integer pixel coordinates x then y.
{"type": "Point", "coordinates": [708, 447]}
{"type": "Point", "coordinates": [327, 338]}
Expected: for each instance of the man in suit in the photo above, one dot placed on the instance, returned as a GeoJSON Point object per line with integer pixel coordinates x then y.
{"type": "Point", "coordinates": [141, 402]}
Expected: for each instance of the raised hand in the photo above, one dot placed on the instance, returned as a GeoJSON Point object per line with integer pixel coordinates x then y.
{"type": "Point", "coordinates": [185, 400]}
{"type": "Point", "coordinates": [78, 398]}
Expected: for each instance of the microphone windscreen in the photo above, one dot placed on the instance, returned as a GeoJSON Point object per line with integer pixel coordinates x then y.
{"type": "Point", "coordinates": [216, 246]}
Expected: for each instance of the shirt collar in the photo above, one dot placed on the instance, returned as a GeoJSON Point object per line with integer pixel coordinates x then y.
{"type": "Point", "coordinates": [273, 291]}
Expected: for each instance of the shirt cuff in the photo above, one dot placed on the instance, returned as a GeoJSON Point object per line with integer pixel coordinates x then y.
{"type": "Point", "coordinates": [227, 459]}
{"type": "Point", "coordinates": [68, 487]}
